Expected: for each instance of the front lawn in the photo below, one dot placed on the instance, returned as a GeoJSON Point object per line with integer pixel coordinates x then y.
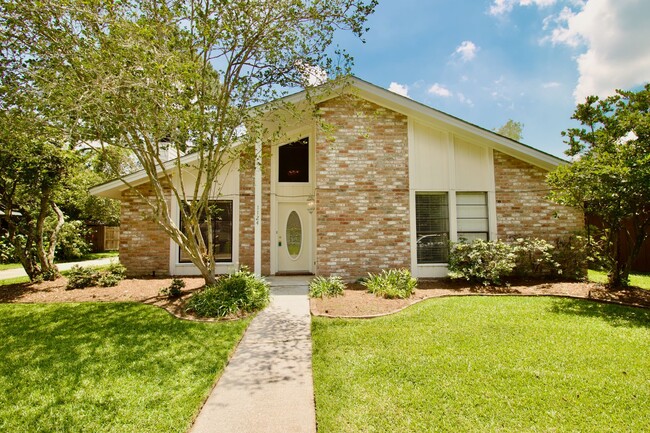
{"type": "Point", "coordinates": [480, 364]}
{"type": "Point", "coordinates": [114, 367]}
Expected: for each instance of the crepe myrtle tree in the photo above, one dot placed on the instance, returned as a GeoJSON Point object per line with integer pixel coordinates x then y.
{"type": "Point", "coordinates": [610, 173]}
{"type": "Point", "coordinates": [167, 78]}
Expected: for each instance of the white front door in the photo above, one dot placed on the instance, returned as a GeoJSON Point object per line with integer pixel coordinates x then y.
{"type": "Point", "coordinates": [294, 238]}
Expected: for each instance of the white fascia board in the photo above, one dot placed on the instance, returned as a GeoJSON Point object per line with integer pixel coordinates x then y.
{"type": "Point", "coordinates": [114, 188]}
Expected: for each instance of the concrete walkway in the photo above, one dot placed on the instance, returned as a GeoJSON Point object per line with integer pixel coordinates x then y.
{"type": "Point", "coordinates": [268, 385]}
{"type": "Point", "coordinates": [20, 272]}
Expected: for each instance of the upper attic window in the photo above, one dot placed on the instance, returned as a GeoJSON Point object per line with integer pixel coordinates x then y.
{"type": "Point", "coordinates": [294, 161]}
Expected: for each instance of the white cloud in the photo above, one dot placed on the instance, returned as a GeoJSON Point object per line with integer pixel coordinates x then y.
{"type": "Point", "coordinates": [614, 33]}
{"type": "Point", "coordinates": [467, 50]}
{"type": "Point", "coordinates": [501, 7]}
{"type": "Point", "coordinates": [464, 100]}
{"type": "Point", "coordinates": [551, 85]}
{"type": "Point", "coordinates": [400, 89]}
{"type": "Point", "coordinates": [439, 90]}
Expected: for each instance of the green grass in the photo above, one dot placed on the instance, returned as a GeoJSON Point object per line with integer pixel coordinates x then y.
{"type": "Point", "coordinates": [17, 280]}
{"type": "Point", "coordinates": [485, 364]}
{"type": "Point", "coordinates": [641, 280]}
{"type": "Point", "coordinates": [5, 266]}
{"type": "Point", "coordinates": [113, 367]}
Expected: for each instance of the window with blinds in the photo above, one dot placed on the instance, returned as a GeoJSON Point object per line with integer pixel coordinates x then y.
{"type": "Point", "coordinates": [472, 216]}
{"type": "Point", "coordinates": [432, 227]}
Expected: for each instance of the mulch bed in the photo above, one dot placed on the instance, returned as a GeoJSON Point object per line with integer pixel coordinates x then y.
{"type": "Point", "coordinates": [355, 303]}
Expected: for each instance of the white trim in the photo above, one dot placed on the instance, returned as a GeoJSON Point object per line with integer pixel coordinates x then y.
{"type": "Point", "coordinates": [257, 258]}
{"type": "Point", "coordinates": [177, 267]}
{"type": "Point", "coordinates": [412, 216]}
{"type": "Point", "coordinates": [492, 199]}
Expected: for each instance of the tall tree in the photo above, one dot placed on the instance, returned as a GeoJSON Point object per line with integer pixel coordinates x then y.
{"type": "Point", "coordinates": [610, 173]}
{"type": "Point", "coordinates": [511, 129]}
{"type": "Point", "coordinates": [167, 78]}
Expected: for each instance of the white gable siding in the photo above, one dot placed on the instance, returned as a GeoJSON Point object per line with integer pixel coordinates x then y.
{"type": "Point", "coordinates": [430, 156]}
{"type": "Point", "coordinates": [471, 163]}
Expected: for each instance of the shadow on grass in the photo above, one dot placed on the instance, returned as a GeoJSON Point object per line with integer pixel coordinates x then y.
{"type": "Point", "coordinates": [616, 315]}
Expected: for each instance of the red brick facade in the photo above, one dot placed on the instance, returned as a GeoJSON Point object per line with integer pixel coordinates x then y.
{"type": "Point", "coordinates": [362, 189]}
{"type": "Point", "coordinates": [144, 246]}
{"type": "Point", "coordinates": [522, 208]}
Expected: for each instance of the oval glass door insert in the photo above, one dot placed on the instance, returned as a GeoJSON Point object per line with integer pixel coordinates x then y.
{"type": "Point", "coordinates": [294, 235]}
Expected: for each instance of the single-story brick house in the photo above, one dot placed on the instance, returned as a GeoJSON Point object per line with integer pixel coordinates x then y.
{"type": "Point", "coordinates": [386, 186]}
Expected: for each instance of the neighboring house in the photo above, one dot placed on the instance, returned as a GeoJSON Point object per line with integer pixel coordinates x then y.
{"type": "Point", "coordinates": [386, 186]}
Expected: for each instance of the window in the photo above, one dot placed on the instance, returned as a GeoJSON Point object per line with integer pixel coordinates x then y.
{"type": "Point", "coordinates": [221, 212]}
{"type": "Point", "coordinates": [432, 227]}
{"type": "Point", "coordinates": [472, 216]}
{"type": "Point", "coordinates": [293, 164]}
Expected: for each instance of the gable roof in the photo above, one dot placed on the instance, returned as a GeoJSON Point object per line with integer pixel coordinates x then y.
{"type": "Point", "coordinates": [387, 99]}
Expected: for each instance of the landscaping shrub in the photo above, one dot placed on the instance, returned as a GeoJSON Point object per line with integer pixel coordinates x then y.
{"type": "Point", "coordinates": [391, 284]}
{"type": "Point", "coordinates": [174, 290]}
{"type": "Point", "coordinates": [80, 277]}
{"type": "Point", "coordinates": [488, 262]}
{"type": "Point", "coordinates": [573, 256]}
{"type": "Point", "coordinates": [535, 257]}
{"type": "Point", "coordinates": [328, 287]}
{"type": "Point", "coordinates": [481, 261]}
{"type": "Point", "coordinates": [241, 292]}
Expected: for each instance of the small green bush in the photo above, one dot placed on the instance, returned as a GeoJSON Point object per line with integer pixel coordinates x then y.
{"type": "Point", "coordinates": [7, 250]}
{"type": "Point", "coordinates": [328, 287]}
{"type": "Point", "coordinates": [391, 284]}
{"type": "Point", "coordinates": [174, 290]}
{"type": "Point", "coordinates": [535, 257]}
{"type": "Point", "coordinates": [80, 277]}
{"type": "Point", "coordinates": [573, 256]}
{"type": "Point", "coordinates": [71, 241]}
{"type": "Point", "coordinates": [241, 292]}
{"type": "Point", "coordinates": [485, 262]}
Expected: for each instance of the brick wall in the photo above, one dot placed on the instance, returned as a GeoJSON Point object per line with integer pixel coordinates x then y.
{"type": "Point", "coordinates": [247, 214]}
{"type": "Point", "coordinates": [522, 209]}
{"type": "Point", "coordinates": [362, 194]}
{"type": "Point", "coordinates": [144, 246]}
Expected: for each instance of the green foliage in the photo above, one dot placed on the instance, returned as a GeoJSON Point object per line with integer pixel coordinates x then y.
{"type": "Point", "coordinates": [489, 262]}
{"type": "Point", "coordinates": [482, 261]}
{"type": "Point", "coordinates": [80, 277]}
{"type": "Point", "coordinates": [71, 243]}
{"type": "Point", "coordinates": [391, 284]}
{"type": "Point", "coordinates": [328, 287]}
{"type": "Point", "coordinates": [610, 173]}
{"type": "Point", "coordinates": [7, 253]}
{"type": "Point", "coordinates": [174, 290]}
{"type": "Point", "coordinates": [534, 257]}
{"type": "Point", "coordinates": [234, 294]}
{"type": "Point", "coordinates": [511, 129]}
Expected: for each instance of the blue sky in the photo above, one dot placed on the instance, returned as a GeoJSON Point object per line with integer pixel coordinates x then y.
{"type": "Point", "coordinates": [487, 61]}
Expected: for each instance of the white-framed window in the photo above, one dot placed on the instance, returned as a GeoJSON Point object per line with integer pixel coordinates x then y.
{"type": "Point", "coordinates": [472, 216]}
{"type": "Point", "coordinates": [432, 227]}
{"type": "Point", "coordinates": [222, 231]}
